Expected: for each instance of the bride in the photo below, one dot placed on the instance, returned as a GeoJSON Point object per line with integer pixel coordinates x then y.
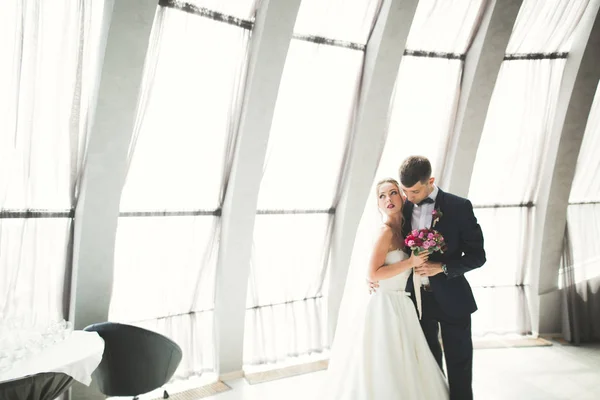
{"type": "Point", "coordinates": [385, 355]}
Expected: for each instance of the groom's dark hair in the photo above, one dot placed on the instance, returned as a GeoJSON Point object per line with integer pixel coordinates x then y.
{"type": "Point", "coordinates": [415, 169]}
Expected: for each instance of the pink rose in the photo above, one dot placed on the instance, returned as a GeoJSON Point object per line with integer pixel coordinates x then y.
{"type": "Point", "coordinates": [430, 236]}
{"type": "Point", "coordinates": [415, 232]}
{"type": "Point", "coordinates": [426, 245]}
{"type": "Point", "coordinates": [411, 243]}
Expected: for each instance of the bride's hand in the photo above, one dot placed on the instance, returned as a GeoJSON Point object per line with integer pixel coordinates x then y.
{"type": "Point", "coordinates": [418, 260]}
{"type": "Point", "coordinates": [372, 286]}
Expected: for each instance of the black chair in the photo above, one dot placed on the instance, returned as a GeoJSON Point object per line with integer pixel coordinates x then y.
{"type": "Point", "coordinates": [135, 360]}
{"type": "Point", "coordinates": [42, 386]}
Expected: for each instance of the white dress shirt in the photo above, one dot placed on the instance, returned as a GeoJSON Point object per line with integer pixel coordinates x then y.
{"type": "Point", "coordinates": [422, 218]}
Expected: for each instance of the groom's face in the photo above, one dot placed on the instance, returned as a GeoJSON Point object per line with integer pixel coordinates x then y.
{"type": "Point", "coordinates": [416, 193]}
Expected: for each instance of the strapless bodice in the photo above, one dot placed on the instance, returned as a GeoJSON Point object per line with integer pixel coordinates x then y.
{"type": "Point", "coordinates": [398, 282]}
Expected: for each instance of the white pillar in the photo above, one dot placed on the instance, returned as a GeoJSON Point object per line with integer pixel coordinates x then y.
{"type": "Point", "coordinates": [479, 78]}
{"type": "Point", "coordinates": [105, 168]}
{"type": "Point", "coordinates": [104, 172]}
{"type": "Point", "coordinates": [382, 61]}
{"type": "Point", "coordinates": [270, 42]}
{"type": "Point", "coordinates": [562, 173]}
{"type": "Point", "coordinates": [540, 273]}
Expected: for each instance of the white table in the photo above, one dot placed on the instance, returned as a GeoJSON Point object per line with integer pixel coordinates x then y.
{"type": "Point", "coordinates": [77, 356]}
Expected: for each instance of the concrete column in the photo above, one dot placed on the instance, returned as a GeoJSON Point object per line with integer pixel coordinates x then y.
{"type": "Point", "coordinates": [104, 172]}
{"type": "Point", "coordinates": [382, 61]}
{"type": "Point", "coordinates": [479, 78]}
{"type": "Point", "coordinates": [562, 171]}
{"type": "Point", "coordinates": [97, 210]}
{"type": "Point", "coordinates": [270, 42]}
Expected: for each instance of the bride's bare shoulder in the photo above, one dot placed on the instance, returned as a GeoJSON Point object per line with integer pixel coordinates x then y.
{"type": "Point", "coordinates": [385, 230]}
{"type": "Point", "coordinates": [384, 234]}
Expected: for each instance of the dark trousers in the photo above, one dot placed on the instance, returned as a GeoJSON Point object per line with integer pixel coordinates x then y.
{"type": "Point", "coordinates": [458, 346]}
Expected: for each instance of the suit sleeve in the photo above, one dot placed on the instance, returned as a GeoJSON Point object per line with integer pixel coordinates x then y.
{"type": "Point", "coordinates": [471, 239]}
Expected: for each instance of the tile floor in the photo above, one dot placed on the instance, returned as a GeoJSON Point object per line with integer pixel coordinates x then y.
{"type": "Point", "coordinates": [549, 373]}
{"type": "Point", "coordinates": [534, 373]}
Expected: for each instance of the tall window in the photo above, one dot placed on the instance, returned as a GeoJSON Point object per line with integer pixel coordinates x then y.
{"type": "Point", "coordinates": [583, 216]}
{"type": "Point", "coordinates": [506, 174]}
{"type": "Point", "coordinates": [580, 272]}
{"type": "Point", "coordinates": [423, 111]}
{"type": "Point", "coordinates": [48, 77]}
{"type": "Point", "coordinates": [181, 155]}
{"type": "Point", "coordinates": [303, 171]}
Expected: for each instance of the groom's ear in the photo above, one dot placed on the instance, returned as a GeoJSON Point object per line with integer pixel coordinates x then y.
{"type": "Point", "coordinates": [431, 180]}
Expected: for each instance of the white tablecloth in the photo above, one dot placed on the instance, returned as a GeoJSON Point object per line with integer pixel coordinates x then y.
{"type": "Point", "coordinates": [77, 356]}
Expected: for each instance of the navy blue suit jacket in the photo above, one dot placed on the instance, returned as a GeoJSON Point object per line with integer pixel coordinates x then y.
{"type": "Point", "coordinates": [465, 252]}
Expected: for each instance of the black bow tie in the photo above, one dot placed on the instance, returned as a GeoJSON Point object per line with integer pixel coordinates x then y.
{"type": "Point", "coordinates": [426, 200]}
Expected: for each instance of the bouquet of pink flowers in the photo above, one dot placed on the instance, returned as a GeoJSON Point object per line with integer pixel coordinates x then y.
{"type": "Point", "coordinates": [428, 240]}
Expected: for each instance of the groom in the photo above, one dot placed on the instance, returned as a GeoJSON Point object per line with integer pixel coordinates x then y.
{"type": "Point", "coordinates": [447, 299]}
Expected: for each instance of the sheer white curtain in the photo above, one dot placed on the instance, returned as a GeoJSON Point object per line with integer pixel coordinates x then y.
{"type": "Point", "coordinates": [48, 77]}
{"type": "Point", "coordinates": [337, 19]}
{"type": "Point", "coordinates": [421, 118]}
{"type": "Point", "coordinates": [580, 275]}
{"type": "Point", "coordinates": [242, 9]}
{"type": "Point", "coordinates": [167, 235]}
{"type": "Point", "coordinates": [306, 156]}
{"type": "Point", "coordinates": [506, 174]}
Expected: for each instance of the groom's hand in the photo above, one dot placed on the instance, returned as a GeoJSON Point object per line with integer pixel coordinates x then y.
{"type": "Point", "coordinates": [372, 286]}
{"type": "Point", "coordinates": [429, 268]}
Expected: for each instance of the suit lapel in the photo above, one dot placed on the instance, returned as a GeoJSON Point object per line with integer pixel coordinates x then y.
{"type": "Point", "coordinates": [439, 205]}
{"type": "Point", "coordinates": [439, 199]}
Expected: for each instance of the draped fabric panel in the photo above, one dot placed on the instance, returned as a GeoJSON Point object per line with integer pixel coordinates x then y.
{"type": "Point", "coordinates": [506, 175]}
{"type": "Point", "coordinates": [242, 9]}
{"type": "Point", "coordinates": [43, 386]}
{"type": "Point", "coordinates": [180, 160]}
{"type": "Point", "coordinates": [303, 170]}
{"type": "Point", "coordinates": [48, 79]}
{"type": "Point", "coordinates": [580, 272]}
{"type": "Point", "coordinates": [302, 176]}
{"type": "Point", "coordinates": [337, 19]}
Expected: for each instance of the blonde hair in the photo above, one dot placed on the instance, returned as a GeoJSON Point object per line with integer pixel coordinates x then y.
{"type": "Point", "coordinates": [386, 180]}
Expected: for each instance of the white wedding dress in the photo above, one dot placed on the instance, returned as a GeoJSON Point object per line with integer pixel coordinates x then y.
{"type": "Point", "coordinates": [385, 354]}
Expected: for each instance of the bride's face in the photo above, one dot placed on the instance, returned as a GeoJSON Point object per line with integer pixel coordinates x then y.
{"type": "Point", "coordinates": [389, 198]}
